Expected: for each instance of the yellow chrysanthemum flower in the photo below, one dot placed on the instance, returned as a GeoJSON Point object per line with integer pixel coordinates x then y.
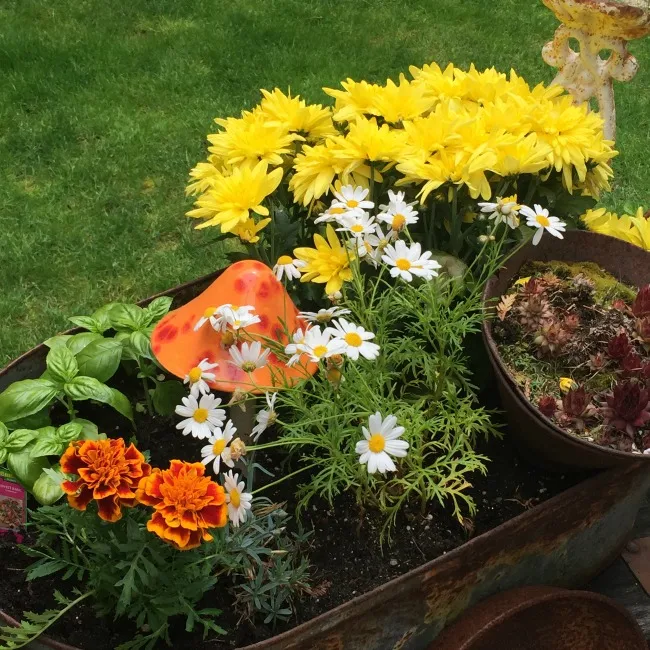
{"type": "Point", "coordinates": [250, 139]}
{"type": "Point", "coordinates": [355, 100]}
{"type": "Point", "coordinates": [248, 231]}
{"type": "Point", "coordinates": [405, 101]}
{"type": "Point", "coordinates": [312, 122]}
{"type": "Point", "coordinates": [232, 198]}
{"type": "Point", "coordinates": [525, 156]}
{"type": "Point", "coordinates": [366, 141]}
{"type": "Point", "coordinates": [635, 230]}
{"type": "Point", "coordinates": [642, 225]}
{"type": "Point", "coordinates": [328, 263]}
{"type": "Point", "coordinates": [204, 174]}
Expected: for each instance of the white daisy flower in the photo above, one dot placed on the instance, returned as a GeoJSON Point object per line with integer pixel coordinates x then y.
{"type": "Point", "coordinates": [358, 225]}
{"type": "Point", "coordinates": [286, 265]}
{"type": "Point", "coordinates": [398, 213]}
{"type": "Point", "coordinates": [238, 317]}
{"type": "Point", "coordinates": [408, 261]}
{"type": "Point", "coordinates": [323, 315]}
{"type": "Point", "coordinates": [381, 439]}
{"type": "Point", "coordinates": [356, 339]}
{"type": "Point", "coordinates": [202, 417]}
{"type": "Point", "coordinates": [198, 378]}
{"type": "Point", "coordinates": [266, 417]}
{"type": "Point", "coordinates": [336, 212]}
{"type": "Point", "coordinates": [319, 345]}
{"type": "Point", "coordinates": [250, 356]}
{"type": "Point", "coordinates": [505, 210]}
{"type": "Point", "coordinates": [540, 219]}
{"type": "Point", "coordinates": [218, 449]}
{"type": "Point", "coordinates": [239, 502]}
{"type": "Point", "coordinates": [298, 337]}
{"type": "Point", "coordinates": [211, 315]}
{"type": "Point", "coordinates": [351, 197]}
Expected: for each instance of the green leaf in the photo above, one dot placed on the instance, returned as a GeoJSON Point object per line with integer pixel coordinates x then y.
{"type": "Point", "coordinates": [47, 446]}
{"type": "Point", "coordinates": [82, 388]}
{"type": "Point", "coordinates": [100, 359]}
{"type": "Point", "coordinates": [167, 396]}
{"type": "Point", "coordinates": [141, 344]}
{"type": "Point", "coordinates": [103, 316]}
{"type": "Point", "coordinates": [55, 341]}
{"type": "Point", "coordinates": [128, 317]}
{"type": "Point", "coordinates": [158, 308]}
{"type": "Point", "coordinates": [46, 490]}
{"type": "Point", "coordinates": [128, 353]}
{"type": "Point", "coordinates": [25, 468]}
{"type": "Point", "coordinates": [4, 434]}
{"type": "Point", "coordinates": [25, 398]}
{"type": "Point", "coordinates": [78, 342]}
{"type": "Point", "coordinates": [89, 430]}
{"type": "Point", "coordinates": [61, 364]}
{"type": "Point", "coordinates": [71, 431]}
{"type": "Point", "coordinates": [35, 421]}
{"type": "Point", "coordinates": [87, 322]}
{"type": "Point", "coordinates": [19, 439]}
{"type": "Point", "coordinates": [3, 455]}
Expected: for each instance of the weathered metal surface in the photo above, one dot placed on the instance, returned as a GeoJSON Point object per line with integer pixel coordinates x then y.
{"type": "Point", "coordinates": [637, 556]}
{"type": "Point", "coordinates": [546, 443]}
{"type": "Point", "coordinates": [544, 618]}
{"type": "Point", "coordinates": [563, 542]}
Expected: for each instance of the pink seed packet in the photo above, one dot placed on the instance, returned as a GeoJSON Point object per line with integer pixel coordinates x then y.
{"type": "Point", "coordinates": [13, 506]}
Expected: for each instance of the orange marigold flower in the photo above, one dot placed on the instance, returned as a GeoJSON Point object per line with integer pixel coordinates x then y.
{"type": "Point", "coordinates": [109, 473]}
{"type": "Point", "coordinates": [187, 503]}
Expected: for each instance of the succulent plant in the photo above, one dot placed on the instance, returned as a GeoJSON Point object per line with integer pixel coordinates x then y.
{"type": "Point", "coordinates": [597, 362]}
{"type": "Point", "coordinates": [551, 338]}
{"type": "Point", "coordinates": [577, 407]}
{"type": "Point", "coordinates": [532, 288]}
{"type": "Point", "coordinates": [627, 407]}
{"type": "Point", "coordinates": [572, 322]}
{"type": "Point", "coordinates": [643, 329]}
{"type": "Point", "coordinates": [582, 282]}
{"type": "Point", "coordinates": [619, 347]}
{"type": "Point", "coordinates": [631, 363]}
{"type": "Point", "coordinates": [641, 304]}
{"type": "Point", "coordinates": [534, 312]}
{"type": "Point", "coordinates": [547, 405]}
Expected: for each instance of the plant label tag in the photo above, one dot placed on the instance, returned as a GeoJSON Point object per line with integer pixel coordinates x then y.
{"type": "Point", "coordinates": [13, 507]}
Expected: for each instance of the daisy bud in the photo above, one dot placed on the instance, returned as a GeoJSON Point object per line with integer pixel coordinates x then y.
{"type": "Point", "coordinates": [237, 449]}
{"type": "Point", "coordinates": [228, 338]}
{"type": "Point", "coordinates": [335, 361]}
{"type": "Point", "coordinates": [335, 297]}
{"type": "Point", "coordinates": [483, 239]}
{"type": "Point", "coordinates": [238, 397]}
{"type": "Point", "coordinates": [334, 376]}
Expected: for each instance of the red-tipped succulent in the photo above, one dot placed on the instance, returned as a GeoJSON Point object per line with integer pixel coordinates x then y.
{"type": "Point", "coordinates": [619, 347]}
{"type": "Point", "coordinates": [577, 407]}
{"type": "Point", "coordinates": [641, 304]}
{"type": "Point", "coordinates": [643, 329]}
{"type": "Point", "coordinates": [597, 362]}
{"type": "Point", "coordinates": [547, 405]}
{"type": "Point", "coordinates": [627, 407]}
{"type": "Point", "coordinates": [572, 322]}
{"type": "Point", "coordinates": [631, 363]}
{"type": "Point", "coordinates": [532, 288]}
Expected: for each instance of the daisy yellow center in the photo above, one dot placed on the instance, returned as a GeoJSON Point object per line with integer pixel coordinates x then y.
{"type": "Point", "coordinates": [398, 221]}
{"type": "Point", "coordinates": [200, 415]}
{"type": "Point", "coordinates": [283, 260]}
{"type": "Point", "coordinates": [210, 311]}
{"type": "Point", "coordinates": [376, 443]}
{"type": "Point", "coordinates": [357, 228]}
{"type": "Point", "coordinates": [352, 203]}
{"type": "Point", "coordinates": [234, 307]}
{"type": "Point", "coordinates": [337, 210]}
{"type": "Point", "coordinates": [195, 374]}
{"type": "Point", "coordinates": [403, 264]}
{"type": "Point", "coordinates": [324, 318]}
{"type": "Point", "coordinates": [235, 499]}
{"type": "Point", "coordinates": [543, 221]}
{"type": "Point", "coordinates": [320, 350]}
{"type": "Point", "coordinates": [248, 366]}
{"type": "Point", "coordinates": [367, 246]}
{"type": "Point", "coordinates": [218, 446]}
{"type": "Point", "coordinates": [353, 339]}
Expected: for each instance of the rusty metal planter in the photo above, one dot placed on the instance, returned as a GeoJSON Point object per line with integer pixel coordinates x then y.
{"type": "Point", "coordinates": [562, 542]}
{"type": "Point", "coordinates": [537, 436]}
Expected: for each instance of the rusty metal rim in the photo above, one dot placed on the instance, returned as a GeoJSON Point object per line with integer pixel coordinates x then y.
{"type": "Point", "coordinates": [495, 357]}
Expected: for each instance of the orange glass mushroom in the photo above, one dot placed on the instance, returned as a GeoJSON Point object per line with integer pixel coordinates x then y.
{"type": "Point", "coordinates": [179, 348]}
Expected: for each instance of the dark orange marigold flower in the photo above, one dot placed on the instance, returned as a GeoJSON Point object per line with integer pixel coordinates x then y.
{"type": "Point", "coordinates": [109, 473]}
{"type": "Point", "coordinates": [187, 503]}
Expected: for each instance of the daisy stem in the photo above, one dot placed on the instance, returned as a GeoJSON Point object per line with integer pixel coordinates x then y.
{"type": "Point", "coordinates": [277, 443]}
{"type": "Point", "coordinates": [284, 478]}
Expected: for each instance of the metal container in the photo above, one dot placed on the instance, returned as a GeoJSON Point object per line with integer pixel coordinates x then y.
{"type": "Point", "coordinates": [539, 438]}
{"type": "Point", "coordinates": [563, 542]}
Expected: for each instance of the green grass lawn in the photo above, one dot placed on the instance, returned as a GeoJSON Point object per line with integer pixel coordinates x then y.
{"type": "Point", "coordinates": [104, 108]}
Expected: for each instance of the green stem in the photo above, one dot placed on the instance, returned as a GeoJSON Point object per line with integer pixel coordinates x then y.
{"type": "Point", "coordinates": [278, 443]}
{"type": "Point", "coordinates": [284, 478]}
{"type": "Point", "coordinates": [147, 397]}
{"type": "Point", "coordinates": [455, 223]}
{"type": "Point", "coordinates": [71, 412]}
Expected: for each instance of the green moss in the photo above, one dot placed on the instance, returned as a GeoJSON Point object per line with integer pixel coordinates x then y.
{"type": "Point", "coordinates": [607, 287]}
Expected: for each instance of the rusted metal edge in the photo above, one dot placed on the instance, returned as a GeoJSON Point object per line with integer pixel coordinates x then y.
{"type": "Point", "coordinates": [637, 556]}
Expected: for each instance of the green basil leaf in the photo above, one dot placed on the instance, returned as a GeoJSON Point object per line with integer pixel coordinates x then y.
{"type": "Point", "coordinates": [4, 434]}
{"type": "Point", "coordinates": [35, 421]}
{"type": "Point", "coordinates": [103, 317]}
{"type": "Point", "coordinates": [3, 456]}
{"type": "Point", "coordinates": [55, 341]}
{"type": "Point", "coordinates": [61, 364]}
{"type": "Point", "coordinates": [141, 344]}
{"type": "Point", "coordinates": [47, 447]}
{"type": "Point", "coordinates": [25, 398]}
{"type": "Point", "coordinates": [89, 430]}
{"type": "Point", "coordinates": [128, 353]}
{"type": "Point", "coordinates": [19, 439]}
{"type": "Point", "coordinates": [87, 322]}
{"type": "Point", "coordinates": [46, 490]}
{"type": "Point", "coordinates": [78, 342]}
{"type": "Point", "coordinates": [69, 432]}
{"type": "Point", "coordinates": [126, 317]}
{"type": "Point", "coordinates": [82, 388]}
{"type": "Point", "coordinates": [25, 468]}
{"type": "Point", "coordinates": [158, 308]}
{"type": "Point", "coordinates": [100, 359]}
{"type": "Point", "coordinates": [167, 396]}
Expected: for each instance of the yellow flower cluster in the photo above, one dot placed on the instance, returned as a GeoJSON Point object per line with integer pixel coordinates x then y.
{"type": "Point", "coordinates": [438, 130]}
{"type": "Point", "coordinates": [633, 229]}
